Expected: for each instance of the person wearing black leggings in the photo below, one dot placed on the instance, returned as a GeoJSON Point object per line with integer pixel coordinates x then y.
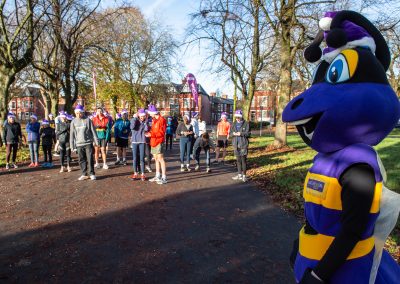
{"type": "Point", "coordinates": [62, 134]}
{"type": "Point", "coordinates": [12, 135]}
{"type": "Point", "coordinates": [240, 131]}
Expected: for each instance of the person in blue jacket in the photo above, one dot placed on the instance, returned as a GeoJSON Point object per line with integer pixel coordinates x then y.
{"type": "Point", "coordinates": [169, 134]}
{"type": "Point", "coordinates": [33, 128]}
{"type": "Point", "coordinates": [122, 131]}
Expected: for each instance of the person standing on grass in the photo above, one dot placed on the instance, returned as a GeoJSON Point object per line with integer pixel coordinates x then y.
{"type": "Point", "coordinates": [223, 130]}
{"type": "Point", "coordinates": [157, 137]}
{"type": "Point", "coordinates": [205, 143]}
{"type": "Point", "coordinates": [138, 128]}
{"type": "Point", "coordinates": [48, 136]}
{"type": "Point", "coordinates": [122, 131]}
{"type": "Point", "coordinates": [186, 134]}
{"type": "Point", "coordinates": [170, 133]}
{"type": "Point", "coordinates": [12, 137]}
{"type": "Point", "coordinates": [240, 132]}
{"type": "Point", "coordinates": [82, 137]}
{"type": "Point", "coordinates": [62, 135]}
{"type": "Point", "coordinates": [33, 128]}
{"type": "Point", "coordinates": [103, 130]}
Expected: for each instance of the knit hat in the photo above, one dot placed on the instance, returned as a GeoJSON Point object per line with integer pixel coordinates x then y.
{"type": "Point", "coordinates": [224, 114]}
{"type": "Point", "coordinates": [63, 114]}
{"type": "Point", "coordinates": [238, 113]}
{"type": "Point", "coordinates": [124, 111]}
{"type": "Point", "coordinates": [45, 122]}
{"type": "Point", "coordinates": [34, 117]}
{"type": "Point", "coordinates": [79, 108]}
{"type": "Point", "coordinates": [118, 115]}
{"type": "Point", "coordinates": [186, 116]}
{"type": "Point", "coordinates": [11, 114]}
{"type": "Point", "coordinates": [70, 117]}
{"type": "Point", "coordinates": [50, 114]}
{"type": "Point", "coordinates": [141, 112]}
{"type": "Point", "coordinates": [152, 109]}
{"type": "Point", "coordinates": [343, 30]}
{"type": "Point", "coordinates": [195, 115]}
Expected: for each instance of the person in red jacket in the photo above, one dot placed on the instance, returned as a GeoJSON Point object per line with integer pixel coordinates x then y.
{"type": "Point", "coordinates": [157, 139]}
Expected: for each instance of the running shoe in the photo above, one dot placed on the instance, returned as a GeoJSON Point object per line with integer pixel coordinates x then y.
{"type": "Point", "coordinates": [237, 177]}
{"type": "Point", "coordinates": [56, 154]}
{"type": "Point", "coordinates": [124, 163]}
{"type": "Point", "coordinates": [117, 162]}
{"type": "Point", "coordinates": [97, 166]}
{"type": "Point", "coordinates": [142, 177]}
{"type": "Point", "coordinates": [31, 165]}
{"type": "Point", "coordinates": [244, 178]}
{"type": "Point", "coordinates": [155, 179]}
{"type": "Point", "coordinates": [149, 169]}
{"type": "Point", "coordinates": [36, 165]}
{"type": "Point", "coordinates": [188, 168]}
{"type": "Point", "coordinates": [83, 178]}
{"type": "Point", "coordinates": [197, 167]}
{"type": "Point", "coordinates": [62, 169]}
{"type": "Point", "coordinates": [7, 166]}
{"type": "Point", "coordinates": [93, 177]}
{"type": "Point", "coordinates": [183, 169]}
{"type": "Point", "coordinates": [208, 170]}
{"type": "Point", "coordinates": [69, 169]}
{"type": "Point", "coordinates": [134, 176]}
{"type": "Point", "coordinates": [15, 166]}
{"type": "Point", "coordinates": [105, 166]}
{"type": "Point", "coordinates": [162, 181]}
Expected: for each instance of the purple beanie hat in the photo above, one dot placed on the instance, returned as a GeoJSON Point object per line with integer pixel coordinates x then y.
{"type": "Point", "coordinates": [141, 112]}
{"type": "Point", "coordinates": [238, 113]}
{"type": "Point", "coordinates": [152, 109]}
{"type": "Point", "coordinates": [79, 108]}
{"type": "Point", "coordinates": [11, 114]}
{"type": "Point", "coordinates": [224, 114]}
{"type": "Point", "coordinates": [45, 122]}
{"type": "Point", "coordinates": [118, 115]}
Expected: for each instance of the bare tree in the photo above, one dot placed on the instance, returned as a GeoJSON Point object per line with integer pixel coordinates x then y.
{"type": "Point", "coordinates": [238, 38]}
{"type": "Point", "coordinates": [17, 39]}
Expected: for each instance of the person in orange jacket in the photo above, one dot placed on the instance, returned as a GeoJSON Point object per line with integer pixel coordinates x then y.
{"type": "Point", "coordinates": [157, 139]}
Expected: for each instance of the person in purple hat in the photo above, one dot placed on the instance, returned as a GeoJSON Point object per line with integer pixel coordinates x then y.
{"type": "Point", "coordinates": [223, 130]}
{"type": "Point", "coordinates": [169, 133]}
{"type": "Point", "coordinates": [138, 127]}
{"type": "Point", "coordinates": [240, 132]}
{"type": "Point", "coordinates": [186, 138]}
{"type": "Point", "coordinates": [12, 136]}
{"type": "Point", "coordinates": [82, 137]}
{"type": "Point", "coordinates": [157, 139]}
{"type": "Point", "coordinates": [48, 137]}
{"type": "Point", "coordinates": [63, 137]}
{"type": "Point", "coordinates": [33, 128]}
{"type": "Point", "coordinates": [122, 131]}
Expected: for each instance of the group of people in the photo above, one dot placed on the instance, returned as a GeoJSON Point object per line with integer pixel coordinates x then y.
{"type": "Point", "coordinates": [150, 135]}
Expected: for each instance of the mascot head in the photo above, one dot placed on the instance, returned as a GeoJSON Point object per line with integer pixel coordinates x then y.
{"type": "Point", "coordinates": [350, 100]}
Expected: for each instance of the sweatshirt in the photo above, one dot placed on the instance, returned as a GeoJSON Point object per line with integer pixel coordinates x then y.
{"type": "Point", "coordinates": [122, 129]}
{"type": "Point", "coordinates": [33, 131]}
{"type": "Point", "coordinates": [138, 129]}
{"type": "Point", "coordinates": [11, 133]}
{"type": "Point", "coordinates": [82, 133]}
{"type": "Point", "coordinates": [62, 132]}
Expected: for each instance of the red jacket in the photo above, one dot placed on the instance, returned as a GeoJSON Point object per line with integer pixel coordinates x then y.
{"type": "Point", "coordinates": [157, 131]}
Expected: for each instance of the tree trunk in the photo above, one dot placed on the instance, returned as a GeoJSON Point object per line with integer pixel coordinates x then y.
{"type": "Point", "coordinates": [114, 101]}
{"type": "Point", "coordinates": [285, 83]}
{"type": "Point", "coordinates": [6, 79]}
{"type": "Point", "coordinates": [54, 105]}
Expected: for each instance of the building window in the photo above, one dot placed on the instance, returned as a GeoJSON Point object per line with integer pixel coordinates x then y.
{"type": "Point", "coordinates": [186, 102]}
{"type": "Point", "coordinates": [26, 115]}
{"type": "Point", "coordinates": [31, 104]}
{"type": "Point", "coordinates": [12, 105]}
{"type": "Point", "coordinates": [264, 101]}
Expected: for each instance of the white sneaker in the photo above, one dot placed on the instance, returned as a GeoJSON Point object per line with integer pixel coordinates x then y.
{"type": "Point", "coordinates": [244, 178]}
{"type": "Point", "coordinates": [105, 166]}
{"type": "Point", "coordinates": [92, 177]}
{"type": "Point", "coordinates": [7, 166]}
{"type": "Point", "coordinates": [15, 166]}
{"type": "Point", "coordinates": [155, 179]}
{"type": "Point", "coordinates": [69, 169]}
{"type": "Point", "coordinates": [208, 170]}
{"type": "Point", "coordinates": [237, 177]}
{"type": "Point", "coordinates": [62, 169]}
{"type": "Point", "coordinates": [148, 169]}
{"type": "Point", "coordinates": [83, 178]}
{"type": "Point", "coordinates": [197, 167]}
{"type": "Point", "coordinates": [97, 166]}
{"type": "Point", "coordinates": [183, 168]}
{"type": "Point", "coordinates": [188, 168]}
{"type": "Point", "coordinates": [162, 181]}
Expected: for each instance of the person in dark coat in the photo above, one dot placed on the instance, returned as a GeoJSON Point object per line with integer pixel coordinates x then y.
{"type": "Point", "coordinates": [240, 133]}
{"type": "Point", "coordinates": [48, 135]}
{"type": "Point", "coordinates": [62, 135]}
{"type": "Point", "coordinates": [12, 136]}
{"type": "Point", "coordinates": [186, 134]}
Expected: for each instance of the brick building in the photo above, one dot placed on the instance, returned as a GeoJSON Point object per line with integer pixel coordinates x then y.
{"type": "Point", "coordinates": [25, 102]}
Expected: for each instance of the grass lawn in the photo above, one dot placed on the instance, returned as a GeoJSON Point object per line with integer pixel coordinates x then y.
{"type": "Point", "coordinates": [22, 155]}
{"type": "Point", "coordinates": [282, 172]}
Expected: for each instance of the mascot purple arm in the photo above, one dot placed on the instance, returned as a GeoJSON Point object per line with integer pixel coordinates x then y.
{"type": "Point", "coordinates": [349, 108]}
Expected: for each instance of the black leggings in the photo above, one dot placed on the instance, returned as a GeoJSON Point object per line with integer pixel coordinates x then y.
{"type": "Point", "coordinates": [11, 148]}
{"type": "Point", "coordinates": [168, 138]}
{"type": "Point", "coordinates": [147, 153]}
{"type": "Point", "coordinates": [47, 153]}
{"type": "Point", "coordinates": [241, 164]}
{"type": "Point", "coordinates": [65, 151]}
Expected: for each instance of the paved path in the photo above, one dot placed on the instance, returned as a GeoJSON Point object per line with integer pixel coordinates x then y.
{"type": "Point", "coordinates": [199, 228]}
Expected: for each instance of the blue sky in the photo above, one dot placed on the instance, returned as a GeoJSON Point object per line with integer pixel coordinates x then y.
{"type": "Point", "coordinates": [175, 14]}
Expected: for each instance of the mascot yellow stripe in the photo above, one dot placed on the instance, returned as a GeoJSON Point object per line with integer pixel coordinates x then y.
{"type": "Point", "coordinates": [328, 192]}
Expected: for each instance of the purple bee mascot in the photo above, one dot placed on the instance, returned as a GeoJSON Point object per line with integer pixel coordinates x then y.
{"type": "Point", "coordinates": [349, 108]}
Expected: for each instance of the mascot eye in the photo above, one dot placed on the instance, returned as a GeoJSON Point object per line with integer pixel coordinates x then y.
{"type": "Point", "coordinates": [342, 67]}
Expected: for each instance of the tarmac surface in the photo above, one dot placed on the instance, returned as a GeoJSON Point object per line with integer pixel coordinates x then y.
{"type": "Point", "coordinates": [198, 228]}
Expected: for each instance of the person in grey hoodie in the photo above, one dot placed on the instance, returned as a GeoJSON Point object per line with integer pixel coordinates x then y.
{"type": "Point", "coordinates": [82, 137]}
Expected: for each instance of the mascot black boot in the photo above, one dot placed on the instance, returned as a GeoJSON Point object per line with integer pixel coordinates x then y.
{"type": "Point", "coordinates": [349, 108]}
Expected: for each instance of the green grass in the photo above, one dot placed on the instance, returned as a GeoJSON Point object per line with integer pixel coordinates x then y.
{"type": "Point", "coordinates": [22, 155]}
{"type": "Point", "coordinates": [282, 172]}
